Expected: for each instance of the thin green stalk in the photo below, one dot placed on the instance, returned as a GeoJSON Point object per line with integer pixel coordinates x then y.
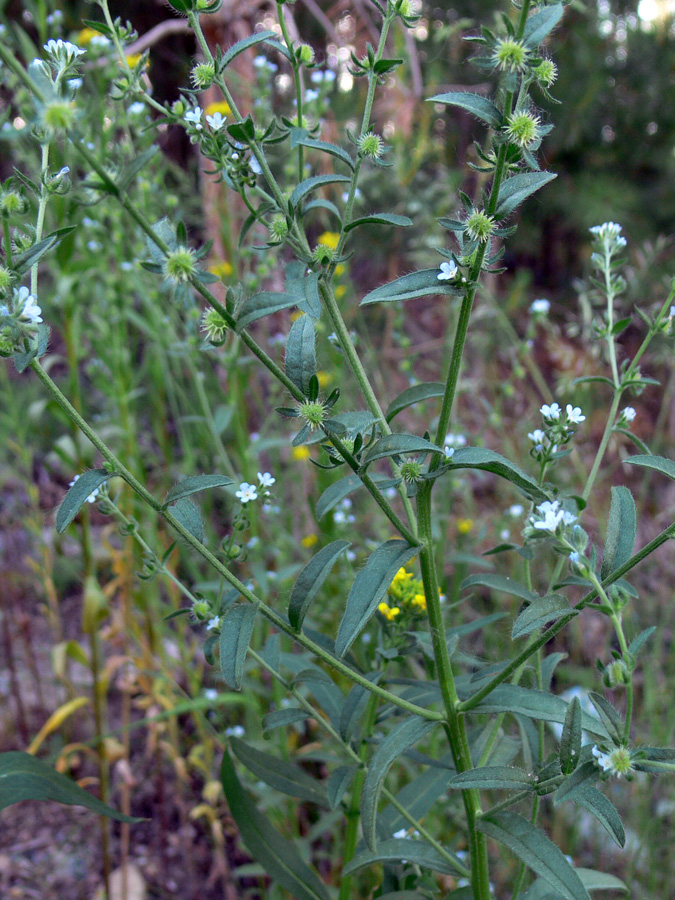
{"type": "Point", "coordinates": [42, 209]}
{"type": "Point", "coordinates": [298, 83]}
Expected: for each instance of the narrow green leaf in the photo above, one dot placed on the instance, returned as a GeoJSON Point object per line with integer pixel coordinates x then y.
{"type": "Point", "coordinates": [379, 219]}
{"type": "Point", "coordinates": [541, 24]}
{"type": "Point", "coordinates": [498, 583]}
{"type": "Point", "coordinates": [339, 782]}
{"type": "Point", "coordinates": [24, 777]}
{"type": "Point", "coordinates": [400, 738]}
{"type": "Point", "coordinates": [621, 531]}
{"type": "Point", "coordinates": [370, 585]}
{"type": "Point", "coordinates": [77, 496]}
{"type": "Point", "coordinates": [417, 796]}
{"type": "Point", "coordinates": [539, 613]}
{"type": "Point", "coordinates": [659, 463]}
{"type": "Point", "coordinates": [415, 394]}
{"type": "Point", "coordinates": [536, 850]}
{"type": "Point", "coordinates": [189, 517]}
{"type": "Point", "coordinates": [600, 881]}
{"type": "Point", "coordinates": [311, 579]}
{"type": "Point", "coordinates": [22, 262]}
{"type": "Point", "coordinates": [263, 304]}
{"type": "Point", "coordinates": [489, 461]}
{"type": "Point", "coordinates": [503, 778]}
{"type": "Point", "coordinates": [408, 287]}
{"type": "Point", "coordinates": [339, 490]}
{"type": "Point", "coordinates": [279, 774]}
{"type": "Point", "coordinates": [301, 353]}
{"type": "Point", "coordinates": [235, 636]}
{"type": "Point", "coordinates": [595, 802]}
{"type": "Point", "coordinates": [518, 188]}
{"type": "Point", "coordinates": [570, 740]}
{"type": "Point", "coordinates": [536, 705]}
{"type": "Point", "coordinates": [311, 299]}
{"type": "Point", "coordinates": [193, 485]}
{"type": "Point", "coordinates": [638, 642]}
{"type": "Point", "coordinates": [328, 695]}
{"type": "Point", "coordinates": [610, 717]}
{"type": "Point", "coordinates": [473, 103]}
{"type": "Point", "coordinates": [354, 706]}
{"type": "Point", "coordinates": [394, 850]}
{"type": "Point", "coordinates": [131, 169]}
{"type": "Point", "coordinates": [278, 856]}
{"type": "Point", "coordinates": [311, 184]}
{"type": "Point", "coordinates": [394, 444]}
{"type": "Point", "coordinates": [323, 146]}
{"type": "Point", "coordinates": [243, 45]}
{"type": "Point", "coordinates": [282, 718]}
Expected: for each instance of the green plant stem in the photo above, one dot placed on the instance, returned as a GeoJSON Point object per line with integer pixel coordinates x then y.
{"type": "Point", "coordinates": [454, 723]}
{"type": "Point", "coordinates": [278, 621]}
{"type": "Point", "coordinates": [298, 83]}
{"type": "Point", "coordinates": [42, 209]}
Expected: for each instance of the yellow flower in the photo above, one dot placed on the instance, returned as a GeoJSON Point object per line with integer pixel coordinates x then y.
{"type": "Point", "coordinates": [222, 269]}
{"type": "Point", "coordinates": [309, 540]}
{"type": "Point", "coordinates": [420, 601]}
{"type": "Point", "coordinates": [296, 315]}
{"type": "Point", "coordinates": [300, 453]}
{"type": "Point", "coordinates": [330, 239]}
{"type": "Point", "coordinates": [220, 106]}
{"type": "Point", "coordinates": [324, 378]}
{"type": "Point", "coordinates": [340, 291]}
{"type": "Point", "coordinates": [85, 36]}
{"type": "Point", "coordinates": [389, 612]}
{"type": "Point", "coordinates": [339, 270]}
{"type": "Point", "coordinates": [133, 59]}
{"type": "Point", "coordinates": [464, 526]}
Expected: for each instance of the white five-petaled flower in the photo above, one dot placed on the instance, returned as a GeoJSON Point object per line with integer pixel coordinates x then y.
{"type": "Point", "coordinates": [63, 51]}
{"type": "Point", "coordinates": [216, 121]}
{"type": "Point", "coordinates": [94, 494]}
{"type": "Point", "coordinates": [628, 414]}
{"type": "Point", "coordinates": [617, 762]}
{"type": "Point", "coordinates": [516, 510]}
{"type": "Point", "coordinates": [265, 479]}
{"type": "Point", "coordinates": [574, 414]}
{"type": "Point", "coordinates": [455, 440]}
{"type": "Point", "coordinates": [537, 437]}
{"type": "Point", "coordinates": [448, 452]}
{"type": "Point", "coordinates": [448, 271]}
{"type": "Point", "coordinates": [194, 117]}
{"type": "Point", "coordinates": [247, 492]}
{"type": "Point", "coordinates": [213, 623]}
{"type": "Point", "coordinates": [552, 515]}
{"type": "Point", "coordinates": [27, 307]}
{"type": "Point", "coordinates": [551, 412]}
{"type": "Point", "coordinates": [235, 731]}
{"type": "Point", "coordinates": [540, 307]}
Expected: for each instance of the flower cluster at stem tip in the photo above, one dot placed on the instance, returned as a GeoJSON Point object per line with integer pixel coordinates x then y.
{"type": "Point", "coordinates": [404, 596]}
{"type": "Point", "coordinates": [559, 430]}
{"type": "Point", "coordinates": [249, 492]}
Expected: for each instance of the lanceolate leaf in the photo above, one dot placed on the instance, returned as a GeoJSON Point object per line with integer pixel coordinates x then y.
{"type": "Point", "coordinates": [397, 443]}
{"type": "Point", "coordinates": [235, 636]}
{"type": "Point", "coordinates": [473, 103]}
{"type": "Point", "coordinates": [311, 184]}
{"type": "Point", "coordinates": [299, 137]}
{"type": "Point", "coordinates": [659, 463]}
{"type": "Point", "coordinates": [301, 353]}
{"type": "Point", "coordinates": [311, 579]}
{"type": "Point", "coordinates": [279, 774]}
{"type": "Point", "coordinates": [536, 705]}
{"type": "Point", "coordinates": [244, 44]}
{"type": "Point", "coordinates": [263, 304]}
{"type": "Point", "coordinates": [499, 583]}
{"type": "Point", "coordinates": [22, 262]}
{"type": "Point", "coordinates": [194, 484]}
{"type": "Point", "coordinates": [278, 856]}
{"type": "Point", "coordinates": [400, 738]}
{"type": "Point", "coordinates": [539, 613]}
{"type": "Point", "coordinates": [370, 586]}
{"type": "Point", "coordinates": [339, 490]}
{"type": "Point", "coordinates": [379, 219]}
{"type": "Point", "coordinates": [408, 287]}
{"type": "Point", "coordinates": [25, 777]}
{"type": "Point", "coordinates": [396, 849]}
{"type": "Point", "coordinates": [610, 717]}
{"type": "Point", "coordinates": [621, 531]}
{"type": "Point", "coordinates": [503, 778]}
{"type": "Point", "coordinates": [570, 740]}
{"type": "Point", "coordinates": [281, 718]}
{"type": "Point", "coordinates": [603, 810]}
{"type": "Point", "coordinates": [412, 395]}
{"type": "Point", "coordinates": [339, 782]}
{"type": "Point", "coordinates": [189, 517]}
{"type": "Point", "coordinates": [354, 706]}
{"type": "Point", "coordinates": [541, 24]}
{"type": "Point", "coordinates": [518, 188]}
{"type": "Point", "coordinates": [77, 496]}
{"type": "Point", "coordinates": [536, 850]}
{"type": "Point", "coordinates": [489, 461]}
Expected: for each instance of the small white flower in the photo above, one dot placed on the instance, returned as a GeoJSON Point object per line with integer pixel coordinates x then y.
{"type": "Point", "coordinates": [516, 510]}
{"type": "Point", "coordinates": [310, 95]}
{"type": "Point", "coordinates": [537, 437]}
{"type": "Point", "coordinates": [94, 494]}
{"type": "Point", "coordinates": [265, 479]}
{"type": "Point", "coordinates": [448, 271]}
{"type": "Point", "coordinates": [455, 440]}
{"type": "Point", "coordinates": [210, 693]}
{"type": "Point", "coordinates": [552, 515]}
{"type": "Point", "coordinates": [574, 557]}
{"type": "Point", "coordinates": [628, 414]}
{"type": "Point", "coordinates": [672, 312]}
{"type": "Point", "coordinates": [235, 731]}
{"type": "Point", "coordinates": [216, 121]}
{"type": "Point", "coordinates": [617, 762]}
{"type": "Point", "coordinates": [574, 414]}
{"type": "Point", "coordinates": [247, 492]}
{"type": "Point", "coordinates": [213, 623]}
{"type": "Point", "coordinates": [402, 833]}
{"type": "Point", "coordinates": [136, 109]}
{"type": "Point", "coordinates": [194, 117]}
{"type": "Point", "coordinates": [540, 307]}
{"type": "Point", "coordinates": [27, 307]}
{"type": "Point", "coordinates": [551, 412]}
{"type": "Point", "coordinates": [504, 534]}
{"type": "Point", "coordinates": [63, 51]}
{"type": "Point", "coordinates": [255, 166]}
{"type": "Point", "coordinates": [607, 229]}
{"type": "Point", "coordinates": [448, 452]}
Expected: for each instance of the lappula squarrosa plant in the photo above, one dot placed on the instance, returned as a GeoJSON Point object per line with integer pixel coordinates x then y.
{"type": "Point", "coordinates": [376, 700]}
